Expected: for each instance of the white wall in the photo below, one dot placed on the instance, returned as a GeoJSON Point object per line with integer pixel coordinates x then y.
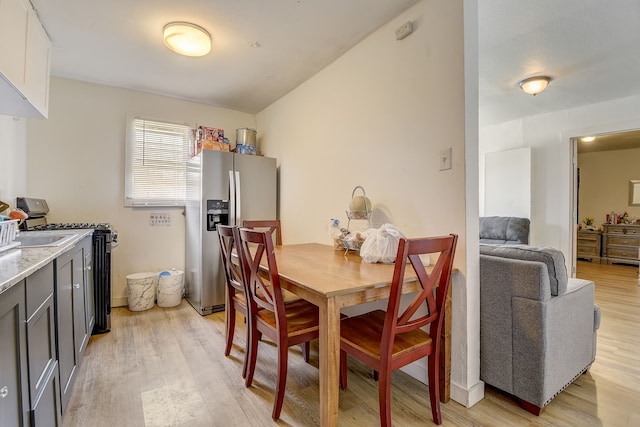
{"type": "Point", "coordinates": [604, 183]}
{"type": "Point", "coordinates": [378, 117]}
{"type": "Point", "coordinates": [548, 135]}
{"type": "Point", "coordinates": [13, 154]}
{"type": "Point", "coordinates": [75, 160]}
{"type": "Point", "coordinates": [507, 183]}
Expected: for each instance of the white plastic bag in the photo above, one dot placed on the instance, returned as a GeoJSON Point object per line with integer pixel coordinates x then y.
{"type": "Point", "coordinates": [381, 244]}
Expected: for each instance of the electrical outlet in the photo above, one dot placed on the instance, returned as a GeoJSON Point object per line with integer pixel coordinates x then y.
{"type": "Point", "coordinates": [404, 31]}
{"type": "Point", "coordinates": [445, 159]}
{"type": "Point", "coordinates": [160, 219]}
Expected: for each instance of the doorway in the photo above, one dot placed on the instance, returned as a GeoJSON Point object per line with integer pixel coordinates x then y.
{"type": "Point", "coordinates": [603, 165]}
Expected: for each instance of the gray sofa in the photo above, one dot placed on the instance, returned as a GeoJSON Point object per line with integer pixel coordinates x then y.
{"type": "Point", "coordinates": [508, 230]}
{"type": "Point", "coordinates": [537, 326]}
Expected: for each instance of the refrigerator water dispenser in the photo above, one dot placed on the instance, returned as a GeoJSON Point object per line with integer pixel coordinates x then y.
{"type": "Point", "coordinates": [217, 213]}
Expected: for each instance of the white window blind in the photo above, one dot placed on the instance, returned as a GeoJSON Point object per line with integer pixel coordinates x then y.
{"type": "Point", "coordinates": [157, 154]}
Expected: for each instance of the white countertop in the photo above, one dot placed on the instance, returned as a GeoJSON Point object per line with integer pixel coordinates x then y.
{"type": "Point", "coordinates": [18, 263]}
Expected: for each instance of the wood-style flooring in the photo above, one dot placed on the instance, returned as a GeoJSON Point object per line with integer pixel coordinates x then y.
{"type": "Point", "coordinates": [165, 367]}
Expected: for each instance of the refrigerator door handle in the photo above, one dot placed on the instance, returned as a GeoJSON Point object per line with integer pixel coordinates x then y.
{"type": "Point", "coordinates": [232, 200]}
{"type": "Point", "coordinates": [238, 199]}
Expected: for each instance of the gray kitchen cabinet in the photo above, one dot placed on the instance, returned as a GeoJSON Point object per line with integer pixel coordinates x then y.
{"type": "Point", "coordinates": [44, 385]}
{"type": "Point", "coordinates": [72, 330]}
{"type": "Point", "coordinates": [14, 390]}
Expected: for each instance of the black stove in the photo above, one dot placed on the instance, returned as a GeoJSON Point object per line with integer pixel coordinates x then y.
{"type": "Point", "coordinates": [104, 238]}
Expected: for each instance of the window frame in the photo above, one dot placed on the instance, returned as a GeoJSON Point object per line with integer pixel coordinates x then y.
{"type": "Point", "coordinates": [131, 144]}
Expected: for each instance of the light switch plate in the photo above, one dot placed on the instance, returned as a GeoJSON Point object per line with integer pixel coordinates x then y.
{"type": "Point", "coordinates": [445, 159]}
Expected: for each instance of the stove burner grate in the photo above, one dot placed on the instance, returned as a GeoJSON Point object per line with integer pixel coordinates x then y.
{"type": "Point", "coordinates": [72, 226]}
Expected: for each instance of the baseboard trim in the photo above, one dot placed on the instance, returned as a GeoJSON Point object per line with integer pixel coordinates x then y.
{"type": "Point", "coordinates": [467, 397]}
{"type": "Point", "coordinates": [119, 302]}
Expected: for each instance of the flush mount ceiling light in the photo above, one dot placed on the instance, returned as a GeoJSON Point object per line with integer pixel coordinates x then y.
{"type": "Point", "coordinates": [534, 85]}
{"type": "Point", "coordinates": [588, 138]}
{"type": "Point", "coordinates": [187, 39]}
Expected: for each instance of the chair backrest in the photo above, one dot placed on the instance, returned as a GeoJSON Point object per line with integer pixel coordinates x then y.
{"type": "Point", "coordinates": [411, 318]}
{"type": "Point", "coordinates": [264, 289]}
{"type": "Point", "coordinates": [229, 241]}
{"type": "Point", "coordinates": [273, 225]}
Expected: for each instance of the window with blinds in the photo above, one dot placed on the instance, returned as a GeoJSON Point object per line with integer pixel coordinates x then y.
{"type": "Point", "coordinates": [157, 154]}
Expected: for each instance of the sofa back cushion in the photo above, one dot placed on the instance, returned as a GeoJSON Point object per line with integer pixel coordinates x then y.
{"type": "Point", "coordinates": [504, 230]}
{"type": "Point", "coordinates": [552, 258]}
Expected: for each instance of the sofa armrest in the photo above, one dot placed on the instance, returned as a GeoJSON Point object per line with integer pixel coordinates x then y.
{"type": "Point", "coordinates": [502, 279]}
{"type": "Point", "coordinates": [552, 342]}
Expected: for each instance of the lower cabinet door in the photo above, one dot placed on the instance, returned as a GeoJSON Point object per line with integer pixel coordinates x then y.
{"type": "Point", "coordinates": [14, 387]}
{"type": "Point", "coordinates": [65, 335]}
{"type": "Point", "coordinates": [46, 409]}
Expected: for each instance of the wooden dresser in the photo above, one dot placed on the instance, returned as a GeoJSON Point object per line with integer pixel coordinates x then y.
{"type": "Point", "coordinates": [620, 243]}
{"type": "Point", "coordinates": [589, 245]}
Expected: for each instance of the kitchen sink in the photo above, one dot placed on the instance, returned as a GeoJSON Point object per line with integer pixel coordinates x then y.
{"type": "Point", "coordinates": [28, 240]}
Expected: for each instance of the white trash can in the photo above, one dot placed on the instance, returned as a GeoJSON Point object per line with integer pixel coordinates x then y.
{"type": "Point", "coordinates": [141, 290]}
{"type": "Point", "coordinates": [170, 288]}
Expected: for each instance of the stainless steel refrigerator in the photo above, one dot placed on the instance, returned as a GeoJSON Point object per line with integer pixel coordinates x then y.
{"type": "Point", "coordinates": [222, 188]}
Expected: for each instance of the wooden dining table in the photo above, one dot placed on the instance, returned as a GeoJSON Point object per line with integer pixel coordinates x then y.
{"type": "Point", "coordinates": [332, 280]}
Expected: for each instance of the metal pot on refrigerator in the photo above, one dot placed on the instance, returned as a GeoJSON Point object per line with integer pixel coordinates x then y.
{"type": "Point", "coordinates": [246, 137]}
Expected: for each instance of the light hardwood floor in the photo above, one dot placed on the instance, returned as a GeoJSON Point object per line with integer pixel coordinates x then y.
{"type": "Point", "coordinates": [165, 367]}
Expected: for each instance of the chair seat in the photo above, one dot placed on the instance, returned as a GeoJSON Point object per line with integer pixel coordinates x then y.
{"type": "Point", "coordinates": [289, 296]}
{"type": "Point", "coordinates": [364, 332]}
{"type": "Point", "coordinates": [240, 298]}
{"type": "Point", "coordinates": [302, 318]}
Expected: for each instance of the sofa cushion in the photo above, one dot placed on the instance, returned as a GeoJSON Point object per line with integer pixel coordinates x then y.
{"type": "Point", "coordinates": [552, 258]}
{"type": "Point", "coordinates": [505, 230]}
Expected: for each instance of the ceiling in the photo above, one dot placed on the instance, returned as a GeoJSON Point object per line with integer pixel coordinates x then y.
{"type": "Point", "coordinates": [262, 49]}
{"type": "Point", "coordinates": [590, 48]}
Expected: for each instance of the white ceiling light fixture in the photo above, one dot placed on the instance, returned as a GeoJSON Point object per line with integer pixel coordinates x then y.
{"type": "Point", "coordinates": [534, 85]}
{"type": "Point", "coordinates": [187, 39]}
{"type": "Point", "coordinates": [588, 138]}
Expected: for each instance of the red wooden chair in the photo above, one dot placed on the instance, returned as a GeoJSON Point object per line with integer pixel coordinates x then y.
{"type": "Point", "coordinates": [272, 225]}
{"type": "Point", "coordinates": [287, 323]}
{"type": "Point", "coordinates": [236, 292]}
{"type": "Point", "coordinates": [387, 341]}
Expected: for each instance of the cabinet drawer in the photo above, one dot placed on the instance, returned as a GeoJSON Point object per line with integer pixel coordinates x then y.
{"type": "Point", "coordinates": [585, 237]}
{"type": "Point", "coordinates": [624, 229]}
{"type": "Point", "coordinates": [622, 252]}
{"type": "Point", "coordinates": [587, 245]}
{"type": "Point", "coordinates": [623, 241]}
{"type": "Point", "coordinates": [39, 288]}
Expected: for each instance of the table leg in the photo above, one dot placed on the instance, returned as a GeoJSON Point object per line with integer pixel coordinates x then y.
{"type": "Point", "coordinates": [329, 363]}
{"type": "Point", "coordinates": [445, 352]}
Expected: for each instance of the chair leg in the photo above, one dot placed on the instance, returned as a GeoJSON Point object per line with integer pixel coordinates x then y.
{"type": "Point", "coordinates": [305, 350]}
{"type": "Point", "coordinates": [384, 396]}
{"type": "Point", "coordinates": [231, 324]}
{"type": "Point", "coordinates": [343, 369]}
{"type": "Point", "coordinates": [434, 386]}
{"type": "Point", "coordinates": [246, 350]}
{"type": "Point", "coordinates": [252, 352]}
{"type": "Point", "coordinates": [283, 353]}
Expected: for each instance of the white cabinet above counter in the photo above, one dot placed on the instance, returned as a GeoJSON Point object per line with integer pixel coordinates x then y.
{"type": "Point", "coordinates": [25, 61]}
